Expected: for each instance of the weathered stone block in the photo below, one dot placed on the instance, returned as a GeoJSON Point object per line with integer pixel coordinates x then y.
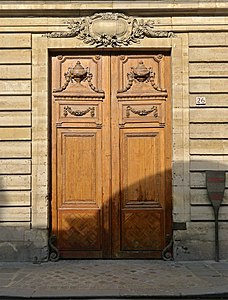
{"type": "Point", "coordinates": [15, 198]}
{"type": "Point", "coordinates": [206, 213]}
{"type": "Point", "coordinates": [15, 166]}
{"type": "Point", "coordinates": [15, 56]}
{"type": "Point", "coordinates": [15, 149]}
{"type": "Point", "coordinates": [200, 197]}
{"type": "Point", "coordinates": [15, 182]}
{"type": "Point", "coordinates": [207, 130]}
{"type": "Point", "coordinates": [15, 40]}
{"type": "Point", "coordinates": [208, 146]}
{"type": "Point", "coordinates": [197, 242]}
{"type": "Point", "coordinates": [15, 102]}
{"type": "Point", "coordinates": [209, 115]}
{"type": "Point", "coordinates": [18, 214]}
{"type": "Point", "coordinates": [20, 134]}
{"type": "Point", "coordinates": [15, 72]}
{"type": "Point", "coordinates": [208, 39]}
{"type": "Point", "coordinates": [9, 87]}
{"type": "Point", "coordinates": [27, 245]}
{"type": "Point", "coordinates": [208, 54]}
{"type": "Point", "coordinates": [204, 162]}
{"type": "Point", "coordinates": [16, 118]}
{"type": "Point", "coordinates": [205, 85]}
{"type": "Point", "coordinates": [208, 69]}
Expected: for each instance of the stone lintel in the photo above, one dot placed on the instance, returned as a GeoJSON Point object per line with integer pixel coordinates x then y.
{"type": "Point", "coordinates": [80, 8]}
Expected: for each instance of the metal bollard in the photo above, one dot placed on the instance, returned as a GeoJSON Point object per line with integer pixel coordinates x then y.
{"type": "Point", "coordinates": [215, 181]}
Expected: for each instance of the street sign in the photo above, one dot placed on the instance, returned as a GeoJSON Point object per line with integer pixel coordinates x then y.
{"type": "Point", "coordinates": [215, 182]}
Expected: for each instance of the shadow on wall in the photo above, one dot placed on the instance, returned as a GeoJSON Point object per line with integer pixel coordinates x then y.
{"type": "Point", "coordinates": [8, 232]}
{"type": "Point", "coordinates": [140, 222]}
{"type": "Point", "coordinates": [83, 229]}
{"type": "Point", "coordinates": [4, 201]}
{"type": "Point", "coordinates": [198, 241]}
{"type": "Point", "coordinates": [18, 241]}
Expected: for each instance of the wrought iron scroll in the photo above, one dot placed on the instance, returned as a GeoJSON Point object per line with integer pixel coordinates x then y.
{"type": "Point", "coordinates": [53, 250]}
{"type": "Point", "coordinates": [133, 30]}
{"type": "Point", "coordinates": [79, 113]}
{"type": "Point", "coordinates": [167, 251]}
{"type": "Point", "coordinates": [143, 112]}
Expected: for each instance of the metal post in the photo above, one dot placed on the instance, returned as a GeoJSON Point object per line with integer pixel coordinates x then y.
{"type": "Point", "coordinates": [216, 211]}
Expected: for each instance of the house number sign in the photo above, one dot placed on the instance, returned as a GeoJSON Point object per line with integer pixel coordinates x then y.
{"type": "Point", "coordinates": [201, 101]}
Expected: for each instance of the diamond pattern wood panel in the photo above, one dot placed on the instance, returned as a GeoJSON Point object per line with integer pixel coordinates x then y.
{"type": "Point", "coordinates": [142, 231]}
{"type": "Point", "coordinates": [79, 230]}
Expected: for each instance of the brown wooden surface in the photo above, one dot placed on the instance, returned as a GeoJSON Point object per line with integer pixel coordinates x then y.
{"type": "Point", "coordinates": [111, 155]}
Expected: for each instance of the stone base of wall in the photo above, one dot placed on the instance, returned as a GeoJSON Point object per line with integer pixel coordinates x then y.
{"type": "Point", "coordinates": [197, 242]}
{"type": "Point", "coordinates": [194, 243]}
{"type": "Point", "coordinates": [21, 244]}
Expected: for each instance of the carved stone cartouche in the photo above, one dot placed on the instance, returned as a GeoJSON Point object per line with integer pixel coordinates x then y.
{"type": "Point", "coordinates": [110, 30]}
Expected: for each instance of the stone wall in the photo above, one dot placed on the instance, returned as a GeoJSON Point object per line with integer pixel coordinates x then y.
{"type": "Point", "coordinates": [199, 51]}
{"type": "Point", "coordinates": [208, 146]}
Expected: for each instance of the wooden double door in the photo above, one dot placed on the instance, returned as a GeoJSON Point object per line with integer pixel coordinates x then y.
{"type": "Point", "coordinates": [111, 154]}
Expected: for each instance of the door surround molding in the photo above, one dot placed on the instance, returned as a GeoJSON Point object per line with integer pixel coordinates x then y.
{"type": "Point", "coordinates": [178, 46]}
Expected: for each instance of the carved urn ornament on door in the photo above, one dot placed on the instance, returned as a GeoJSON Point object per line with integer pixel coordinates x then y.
{"type": "Point", "coordinates": [110, 30]}
{"type": "Point", "coordinates": [141, 74]}
{"type": "Point", "coordinates": [77, 75]}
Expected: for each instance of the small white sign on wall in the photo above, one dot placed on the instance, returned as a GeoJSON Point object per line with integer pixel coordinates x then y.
{"type": "Point", "coordinates": [201, 101]}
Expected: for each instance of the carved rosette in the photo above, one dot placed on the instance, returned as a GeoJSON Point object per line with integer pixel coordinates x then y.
{"type": "Point", "coordinates": [110, 30]}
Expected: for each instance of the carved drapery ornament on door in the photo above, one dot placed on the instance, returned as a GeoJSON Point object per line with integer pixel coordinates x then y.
{"type": "Point", "coordinates": [110, 30]}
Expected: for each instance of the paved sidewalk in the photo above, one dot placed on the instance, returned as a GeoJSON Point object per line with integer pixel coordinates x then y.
{"type": "Point", "coordinates": [109, 278]}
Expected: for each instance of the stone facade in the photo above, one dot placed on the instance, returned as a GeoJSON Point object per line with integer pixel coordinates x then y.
{"type": "Point", "coordinates": [199, 54]}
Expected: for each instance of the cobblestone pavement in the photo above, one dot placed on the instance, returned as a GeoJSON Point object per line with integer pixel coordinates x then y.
{"type": "Point", "coordinates": [109, 278]}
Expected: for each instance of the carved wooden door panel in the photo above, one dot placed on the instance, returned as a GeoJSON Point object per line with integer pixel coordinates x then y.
{"type": "Point", "coordinates": [81, 155]}
{"type": "Point", "coordinates": [111, 184]}
{"type": "Point", "coordinates": [141, 160]}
